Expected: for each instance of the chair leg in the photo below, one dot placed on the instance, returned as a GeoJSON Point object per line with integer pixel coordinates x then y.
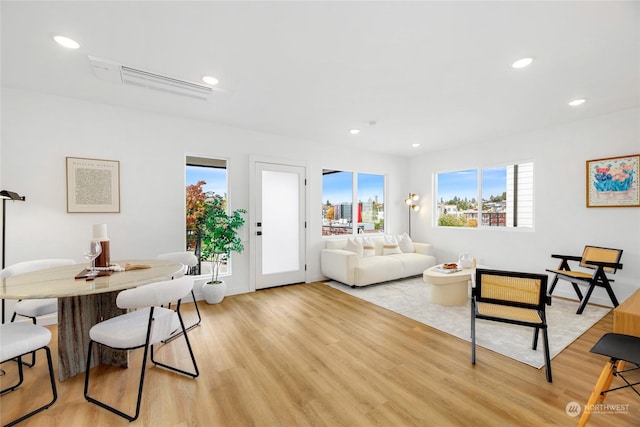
{"type": "Point", "coordinates": [576, 288]}
{"type": "Point", "coordinates": [188, 327]}
{"type": "Point", "coordinates": [54, 391]}
{"type": "Point", "coordinates": [547, 358]}
{"type": "Point", "coordinates": [33, 353]}
{"type": "Point", "coordinates": [536, 332]}
{"type": "Point", "coordinates": [605, 378]}
{"type": "Point", "coordinates": [195, 303]}
{"type": "Point", "coordinates": [20, 377]}
{"type": "Point", "coordinates": [553, 284]}
{"type": "Point", "coordinates": [619, 366]}
{"type": "Point", "coordinates": [585, 300]}
{"type": "Point", "coordinates": [111, 408]}
{"type": "Point", "coordinates": [604, 282]}
{"type": "Point", "coordinates": [186, 338]}
{"type": "Point", "coordinates": [473, 334]}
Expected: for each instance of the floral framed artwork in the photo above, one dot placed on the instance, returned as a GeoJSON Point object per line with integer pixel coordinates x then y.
{"type": "Point", "coordinates": [613, 182]}
{"type": "Point", "coordinates": [93, 185]}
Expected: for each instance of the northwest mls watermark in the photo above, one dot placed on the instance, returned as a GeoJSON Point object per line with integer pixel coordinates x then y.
{"type": "Point", "coordinates": [573, 409]}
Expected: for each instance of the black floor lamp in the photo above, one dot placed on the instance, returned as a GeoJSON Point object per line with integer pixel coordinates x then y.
{"type": "Point", "coordinates": [6, 195]}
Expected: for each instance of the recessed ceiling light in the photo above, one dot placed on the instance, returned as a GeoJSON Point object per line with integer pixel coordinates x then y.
{"type": "Point", "coordinates": [416, 145]}
{"type": "Point", "coordinates": [210, 80]}
{"type": "Point", "coordinates": [354, 131]}
{"type": "Point", "coordinates": [578, 101]}
{"type": "Point", "coordinates": [523, 62]}
{"type": "Point", "coordinates": [66, 42]}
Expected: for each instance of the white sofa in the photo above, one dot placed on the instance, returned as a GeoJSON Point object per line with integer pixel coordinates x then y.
{"type": "Point", "coordinates": [341, 262]}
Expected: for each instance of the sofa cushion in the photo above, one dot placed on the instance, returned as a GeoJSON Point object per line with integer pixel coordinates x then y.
{"type": "Point", "coordinates": [377, 269]}
{"type": "Point", "coordinates": [414, 264]}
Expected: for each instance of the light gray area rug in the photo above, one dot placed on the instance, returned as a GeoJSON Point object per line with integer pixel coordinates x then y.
{"type": "Point", "coordinates": [410, 297]}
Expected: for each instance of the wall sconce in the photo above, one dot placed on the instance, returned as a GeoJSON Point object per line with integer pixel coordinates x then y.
{"type": "Point", "coordinates": [410, 202]}
{"type": "Point", "coordinates": [6, 195]}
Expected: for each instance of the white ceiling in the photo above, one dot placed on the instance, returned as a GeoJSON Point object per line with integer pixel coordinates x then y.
{"type": "Point", "coordinates": [434, 73]}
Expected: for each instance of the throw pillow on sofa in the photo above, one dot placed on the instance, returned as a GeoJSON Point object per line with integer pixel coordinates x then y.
{"type": "Point", "coordinates": [391, 246]}
{"type": "Point", "coordinates": [406, 244]}
{"type": "Point", "coordinates": [368, 247]}
{"type": "Point", "coordinates": [353, 246]}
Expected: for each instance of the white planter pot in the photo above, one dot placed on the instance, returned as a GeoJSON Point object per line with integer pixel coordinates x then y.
{"type": "Point", "coordinates": [213, 294]}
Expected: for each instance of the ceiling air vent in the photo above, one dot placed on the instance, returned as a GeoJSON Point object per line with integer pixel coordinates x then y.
{"type": "Point", "coordinates": [112, 71]}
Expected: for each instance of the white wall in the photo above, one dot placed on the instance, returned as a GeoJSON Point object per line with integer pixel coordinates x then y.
{"type": "Point", "coordinates": [39, 131]}
{"type": "Point", "coordinates": [563, 223]}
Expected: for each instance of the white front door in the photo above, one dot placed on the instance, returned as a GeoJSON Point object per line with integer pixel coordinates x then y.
{"type": "Point", "coordinates": [280, 225]}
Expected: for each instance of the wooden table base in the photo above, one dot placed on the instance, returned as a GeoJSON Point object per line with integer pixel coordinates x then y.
{"type": "Point", "coordinates": [80, 314]}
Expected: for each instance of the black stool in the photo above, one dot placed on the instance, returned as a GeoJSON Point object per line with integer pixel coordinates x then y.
{"type": "Point", "coordinates": [620, 349]}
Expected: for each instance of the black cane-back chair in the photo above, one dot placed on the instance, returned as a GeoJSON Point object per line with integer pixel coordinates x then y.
{"type": "Point", "coordinates": [511, 297]}
{"type": "Point", "coordinates": [601, 262]}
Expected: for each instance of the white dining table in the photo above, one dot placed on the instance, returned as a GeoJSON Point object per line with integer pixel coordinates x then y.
{"type": "Point", "coordinates": [83, 303]}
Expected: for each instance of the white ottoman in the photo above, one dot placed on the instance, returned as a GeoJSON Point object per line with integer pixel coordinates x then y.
{"type": "Point", "coordinates": [448, 288]}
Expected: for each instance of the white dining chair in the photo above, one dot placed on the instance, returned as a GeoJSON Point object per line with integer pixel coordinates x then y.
{"type": "Point", "coordinates": [34, 308]}
{"type": "Point", "coordinates": [148, 325]}
{"type": "Point", "coordinates": [17, 340]}
{"type": "Point", "coordinates": [188, 260]}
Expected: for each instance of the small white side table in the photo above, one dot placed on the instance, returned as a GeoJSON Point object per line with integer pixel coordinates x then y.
{"type": "Point", "coordinates": [448, 288]}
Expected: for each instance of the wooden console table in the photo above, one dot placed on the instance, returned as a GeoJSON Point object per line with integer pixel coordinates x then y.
{"type": "Point", "coordinates": [626, 316]}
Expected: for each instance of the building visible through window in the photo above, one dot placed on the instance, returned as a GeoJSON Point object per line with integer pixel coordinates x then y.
{"type": "Point", "coordinates": [341, 191]}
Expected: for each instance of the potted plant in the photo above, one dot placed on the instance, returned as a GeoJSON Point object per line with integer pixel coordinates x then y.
{"type": "Point", "coordinates": [219, 230]}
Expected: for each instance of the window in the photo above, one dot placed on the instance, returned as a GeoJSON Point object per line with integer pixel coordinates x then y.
{"type": "Point", "coordinates": [370, 203]}
{"type": "Point", "coordinates": [205, 178]}
{"type": "Point", "coordinates": [337, 207]}
{"type": "Point", "coordinates": [494, 195]}
{"type": "Point", "coordinates": [341, 191]}
{"type": "Point", "coordinates": [503, 196]}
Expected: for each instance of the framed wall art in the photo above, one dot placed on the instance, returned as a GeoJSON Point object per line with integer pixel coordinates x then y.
{"type": "Point", "coordinates": [93, 185]}
{"type": "Point", "coordinates": [613, 182]}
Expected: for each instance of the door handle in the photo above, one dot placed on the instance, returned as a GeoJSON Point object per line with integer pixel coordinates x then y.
{"type": "Point", "coordinates": [259, 233]}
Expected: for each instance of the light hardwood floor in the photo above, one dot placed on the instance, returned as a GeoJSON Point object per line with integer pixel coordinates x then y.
{"type": "Point", "coordinates": [309, 355]}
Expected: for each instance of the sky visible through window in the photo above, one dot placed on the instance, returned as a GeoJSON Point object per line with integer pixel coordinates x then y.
{"type": "Point", "coordinates": [215, 178]}
{"type": "Point", "coordinates": [370, 186]}
{"type": "Point", "coordinates": [464, 184]}
{"type": "Point", "coordinates": [337, 187]}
